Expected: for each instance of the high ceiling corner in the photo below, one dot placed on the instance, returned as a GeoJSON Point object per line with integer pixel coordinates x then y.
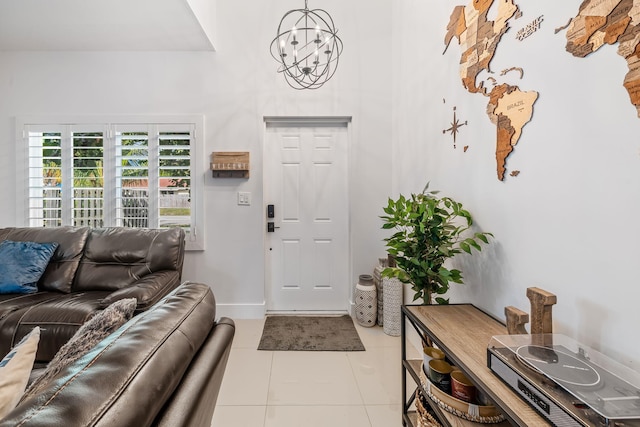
{"type": "Point", "coordinates": [97, 25]}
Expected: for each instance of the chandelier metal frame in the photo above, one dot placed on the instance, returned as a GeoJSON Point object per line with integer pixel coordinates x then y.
{"type": "Point", "coordinates": [309, 50]}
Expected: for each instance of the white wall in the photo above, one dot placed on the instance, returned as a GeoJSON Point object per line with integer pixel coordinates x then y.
{"type": "Point", "coordinates": [234, 88]}
{"type": "Point", "coordinates": [568, 223]}
{"type": "Point", "coordinates": [245, 87]}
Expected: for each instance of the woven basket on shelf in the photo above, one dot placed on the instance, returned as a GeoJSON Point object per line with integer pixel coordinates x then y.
{"type": "Point", "coordinates": [475, 413]}
{"type": "Point", "coordinates": [425, 419]}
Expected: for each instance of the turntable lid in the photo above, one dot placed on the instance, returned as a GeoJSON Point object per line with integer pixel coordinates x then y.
{"type": "Point", "coordinates": [609, 388]}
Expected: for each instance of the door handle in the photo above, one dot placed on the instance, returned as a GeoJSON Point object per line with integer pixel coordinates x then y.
{"type": "Point", "coordinates": [271, 227]}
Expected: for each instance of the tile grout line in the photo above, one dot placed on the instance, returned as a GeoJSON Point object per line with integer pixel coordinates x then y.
{"type": "Point", "coordinates": [355, 377]}
{"type": "Point", "coordinates": [266, 402]}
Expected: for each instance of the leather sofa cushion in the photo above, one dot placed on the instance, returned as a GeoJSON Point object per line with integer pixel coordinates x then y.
{"type": "Point", "coordinates": [12, 302]}
{"type": "Point", "coordinates": [62, 267]}
{"type": "Point", "coordinates": [128, 377]}
{"type": "Point", "coordinates": [115, 258]}
{"type": "Point", "coordinates": [148, 290]}
{"type": "Point", "coordinates": [58, 315]}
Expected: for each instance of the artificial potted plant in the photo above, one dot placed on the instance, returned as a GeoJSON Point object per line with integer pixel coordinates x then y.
{"type": "Point", "coordinates": [429, 230]}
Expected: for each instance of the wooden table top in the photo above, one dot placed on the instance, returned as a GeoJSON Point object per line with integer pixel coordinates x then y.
{"type": "Point", "coordinates": [463, 332]}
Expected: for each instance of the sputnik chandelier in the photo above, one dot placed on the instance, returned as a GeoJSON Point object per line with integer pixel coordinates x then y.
{"type": "Point", "coordinates": [307, 47]}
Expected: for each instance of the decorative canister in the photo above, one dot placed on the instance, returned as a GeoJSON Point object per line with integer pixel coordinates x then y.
{"type": "Point", "coordinates": [377, 279]}
{"type": "Point", "coordinates": [366, 301]}
{"type": "Point", "coordinates": [392, 294]}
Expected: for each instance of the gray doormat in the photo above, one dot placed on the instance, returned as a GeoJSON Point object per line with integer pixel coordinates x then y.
{"type": "Point", "coordinates": [304, 333]}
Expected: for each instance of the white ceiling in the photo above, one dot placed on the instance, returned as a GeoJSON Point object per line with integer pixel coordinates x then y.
{"type": "Point", "coordinates": [109, 25]}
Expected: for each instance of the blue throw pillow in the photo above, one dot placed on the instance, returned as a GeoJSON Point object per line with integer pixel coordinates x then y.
{"type": "Point", "coordinates": [22, 264]}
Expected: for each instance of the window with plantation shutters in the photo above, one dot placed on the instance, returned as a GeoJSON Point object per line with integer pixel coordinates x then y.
{"type": "Point", "coordinates": [127, 174]}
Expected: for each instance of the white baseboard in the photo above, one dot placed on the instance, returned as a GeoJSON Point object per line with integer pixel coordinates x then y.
{"type": "Point", "coordinates": [320, 313]}
{"type": "Point", "coordinates": [241, 311]}
{"type": "Point", "coordinates": [258, 311]}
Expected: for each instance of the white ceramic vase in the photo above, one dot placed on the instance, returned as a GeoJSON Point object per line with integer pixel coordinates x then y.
{"type": "Point", "coordinates": [366, 301]}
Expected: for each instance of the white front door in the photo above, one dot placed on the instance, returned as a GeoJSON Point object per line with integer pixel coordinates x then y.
{"type": "Point", "coordinates": [307, 258]}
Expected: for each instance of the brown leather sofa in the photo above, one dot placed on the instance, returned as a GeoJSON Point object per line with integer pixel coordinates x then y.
{"type": "Point", "coordinates": [90, 269]}
{"type": "Point", "coordinates": [162, 368]}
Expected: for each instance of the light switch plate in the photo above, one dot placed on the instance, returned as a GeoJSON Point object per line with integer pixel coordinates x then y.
{"type": "Point", "coordinates": [244, 198]}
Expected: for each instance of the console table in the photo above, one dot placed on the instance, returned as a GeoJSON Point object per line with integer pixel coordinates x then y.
{"type": "Point", "coordinates": [463, 332]}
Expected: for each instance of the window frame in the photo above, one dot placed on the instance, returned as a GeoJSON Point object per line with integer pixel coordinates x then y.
{"type": "Point", "coordinates": [195, 239]}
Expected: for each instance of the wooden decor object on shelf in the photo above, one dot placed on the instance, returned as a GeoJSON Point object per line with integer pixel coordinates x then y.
{"type": "Point", "coordinates": [230, 164]}
{"type": "Point", "coordinates": [516, 319]}
{"type": "Point", "coordinates": [541, 304]}
{"type": "Point", "coordinates": [541, 318]}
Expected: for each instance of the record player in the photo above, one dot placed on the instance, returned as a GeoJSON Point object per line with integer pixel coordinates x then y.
{"type": "Point", "coordinates": [568, 383]}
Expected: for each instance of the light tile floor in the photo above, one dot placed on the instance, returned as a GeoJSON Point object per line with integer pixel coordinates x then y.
{"type": "Point", "coordinates": [311, 389]}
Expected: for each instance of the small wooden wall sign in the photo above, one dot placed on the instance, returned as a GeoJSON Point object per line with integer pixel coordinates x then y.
{"type": "Point", "coordinates": [230, 164]}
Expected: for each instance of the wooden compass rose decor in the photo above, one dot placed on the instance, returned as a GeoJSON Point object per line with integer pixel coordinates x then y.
{"type": "Point", "coordinates": [455, 127]}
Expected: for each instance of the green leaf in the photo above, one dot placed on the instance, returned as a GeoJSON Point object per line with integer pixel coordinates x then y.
{"type": "Point", "coordinates": [465, 247]}
{"type": "Point", "coordinates": [456, 276]}
{"type": "Point", "coordinates": [473, 243]}
{"type": "Point", "coordinates": [482, 237]}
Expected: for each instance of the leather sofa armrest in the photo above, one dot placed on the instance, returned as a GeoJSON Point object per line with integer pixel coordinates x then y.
{"type": "Point", "coordinates": [147, 291]}
{"type": "Point", "coordinates": [193, 403]}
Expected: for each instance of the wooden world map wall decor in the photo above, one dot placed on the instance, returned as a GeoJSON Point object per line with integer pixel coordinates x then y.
{"type": "Point", "coordinates": [601, 22]}
{"type": "Point", "coordinates": [509, 108]}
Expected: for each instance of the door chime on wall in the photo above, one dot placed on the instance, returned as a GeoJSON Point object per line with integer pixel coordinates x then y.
{"type": "Point", "coordinates": [307, 47]}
